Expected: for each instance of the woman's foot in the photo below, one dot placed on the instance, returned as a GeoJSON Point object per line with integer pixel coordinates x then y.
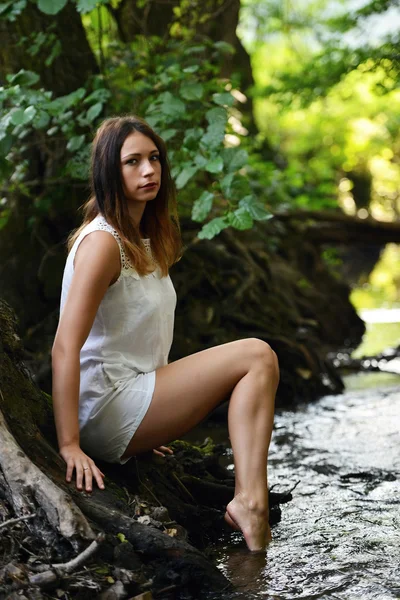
{"type": "Point", "coordinates": [252, 520]}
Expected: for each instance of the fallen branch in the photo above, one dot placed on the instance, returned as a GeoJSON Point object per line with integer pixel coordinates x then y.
{"type": "Point", "coordinates": [12, 521]}
{"type": "Point", "coordinates": [58, 571]}
{"type": "Point", "coordinates": [325, 227]}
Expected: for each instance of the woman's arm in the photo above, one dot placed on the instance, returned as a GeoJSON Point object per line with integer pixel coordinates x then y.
{"type": "Point", "coordinates": [97, 265]}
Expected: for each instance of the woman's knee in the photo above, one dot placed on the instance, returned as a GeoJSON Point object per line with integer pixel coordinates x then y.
{"type": "Point", "coordinates": [260, 354]}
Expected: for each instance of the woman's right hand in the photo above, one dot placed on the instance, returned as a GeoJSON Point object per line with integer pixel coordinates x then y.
{"type": "Point", "coordinates": [84, 466]}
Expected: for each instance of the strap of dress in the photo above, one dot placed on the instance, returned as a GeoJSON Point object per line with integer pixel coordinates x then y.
{"type": "Point", "coordinates": [100, 224]}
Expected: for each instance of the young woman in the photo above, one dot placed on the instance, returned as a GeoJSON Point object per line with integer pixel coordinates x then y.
{"type": "Point", "coordinates": [114, 393]}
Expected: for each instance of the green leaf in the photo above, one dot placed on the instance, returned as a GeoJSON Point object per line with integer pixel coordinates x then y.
{"type": "Point", "coordinates": [22, 132]}
{"type": "Point", "coordinates": [167, 134]}
{"type": "Point", "coordinates": [200, 161]}
{"type": "Point", "coordinates": [55, 51]}
{"type": "Point", "coordinates": [213, 137]}
{"type": "Point", "coordinates": [85, 6]}
{"type": "Point", "coordinates": [240, 219]}
{"type": "Point", "coordinates": [6, 143]}
{"type": "Point", "coordinates": [192, 137]}
{"type": "Point", "coordinates": [51, 7]}
{"type": "Point", "coordinates": [29, 114]}
{"type": "Point", "coordinates": [52, 130]}
{"type": "Point", "coordinates": [224, 98]}
{"type": "Point", "coordinates": [194, 50]}
{"type": "Point", "coordinates": [226, 184]}
{"type": "Point", "coordinates": [215, 133]}
{"type": "Point", "coordinates": [94, 111]}
{"type": "Point", "coordinates": [217, 116]}
{"type": "Point", "coordinates": [239, 159]}
{"type": "Point", "coordinates": [10, 10]}
{"type": "Point", "coordinates": [224, 47]}
{"type": "Point", "coordinates": [215, 165]}
{"type": "Point", "coordinates": [75, 143]}
{"type": "Point", "coordinates": [255, 208]}
{"type": "Point", "coordinates": [202, 206]}
{"type": "Point", "coordinates": [191, 69]}
{"type": "Point", "coordinates": [99, 95]}
{"type": "Point", "coordinates": [173, 107]}
{"type": "Point", "coordinates": [24, 78]}
{"type": "Point", "coordinates": [153, 121]}
{"type": "Point", "coordinates": [165, 79]}
{"type": "Point", "coordinates": [64, 102]}
{"type": "Point", "coordinates": [42, 120]}
{"type": "Point", "coordinates": [184, 176]}
{"type": "Point", "coordinates": [23, 117]}
{"type": "Point", "coordinates": [17, 117]}
{"type": "Point", "coordinates": [191, 91]}
{"type": "Point", "coordinates": [213, 228]}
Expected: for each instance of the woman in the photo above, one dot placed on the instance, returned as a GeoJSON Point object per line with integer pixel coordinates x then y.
{"type": "Point", "coordinates": [114, 393]}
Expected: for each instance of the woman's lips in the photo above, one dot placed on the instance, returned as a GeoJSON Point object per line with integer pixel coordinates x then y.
{"type": "Point", "coordinates": [149, 186]}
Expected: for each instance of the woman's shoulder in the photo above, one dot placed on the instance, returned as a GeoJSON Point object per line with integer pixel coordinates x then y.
{"type": "Point", "coordinates": [99, 223]}
{"type": "Point", "coordinates": [94, 241]}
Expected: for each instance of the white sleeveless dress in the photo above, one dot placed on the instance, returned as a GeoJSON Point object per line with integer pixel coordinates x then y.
{"type": "Point", "coordinates": [130, 338]}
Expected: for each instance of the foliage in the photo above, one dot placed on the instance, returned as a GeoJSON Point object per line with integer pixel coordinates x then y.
{"type": "Point", "coordinates": [328, 106]}
{"type": "Point", "coordinates": [31, 116]}
{"type": "Point", "coordinates": [326, 40]}
{"type": "Point", "coordinates": [190, 106]}
{"type": "Point", "coordinates": [11, 9]}
{"type": "Point", "coordinates": [311, 90]}
{"type": "Point", "coordinates": [383, 286]}
{"type": "Point", "coordinates": [180, 93]}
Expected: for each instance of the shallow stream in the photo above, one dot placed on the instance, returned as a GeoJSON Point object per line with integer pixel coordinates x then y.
{"type": "Point", "coordinates": [340, 535]}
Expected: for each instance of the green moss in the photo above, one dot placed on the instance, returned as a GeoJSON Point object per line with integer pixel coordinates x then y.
{"type": "Point", "coordinates": [188, 448]}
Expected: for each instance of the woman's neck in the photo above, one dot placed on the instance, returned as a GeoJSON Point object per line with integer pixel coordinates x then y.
{"type": "Point", "coordinates": [136, 211]}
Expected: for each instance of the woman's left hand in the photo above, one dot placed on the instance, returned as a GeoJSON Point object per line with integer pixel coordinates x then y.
{"type": "Point", "coordinates": [162, 450]}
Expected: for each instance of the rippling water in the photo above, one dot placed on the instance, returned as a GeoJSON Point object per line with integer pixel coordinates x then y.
{"type": "Point", "coordinates": [340, 535]}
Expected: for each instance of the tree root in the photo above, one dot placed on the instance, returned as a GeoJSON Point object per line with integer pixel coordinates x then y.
{"type": "Point", "coordinates": [29, 488]}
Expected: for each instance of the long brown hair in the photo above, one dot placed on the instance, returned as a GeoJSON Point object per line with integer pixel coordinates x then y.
{"type": "Point", "coordinates": [160, 219]}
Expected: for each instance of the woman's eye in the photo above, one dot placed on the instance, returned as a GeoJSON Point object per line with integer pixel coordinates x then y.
{"type": "Point", "coordinates": [131, 161]}
{"type": "Point", "coordinates": [155, 157]}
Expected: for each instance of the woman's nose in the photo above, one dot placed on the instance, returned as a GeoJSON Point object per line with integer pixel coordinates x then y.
{"type": "Point", "coordinates": [148, 168]}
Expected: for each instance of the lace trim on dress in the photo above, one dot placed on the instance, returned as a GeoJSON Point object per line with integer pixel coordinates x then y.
{"type": "Point", "coordinates": [126, 265]}
{"type": "Point", "coordinates": [147, 245]}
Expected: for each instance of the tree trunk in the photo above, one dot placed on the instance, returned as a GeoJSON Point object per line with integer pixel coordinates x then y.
{"type": "Point", "coordinates": [31, 254]}
{"type": "Point", "coordinates": [69, 70]}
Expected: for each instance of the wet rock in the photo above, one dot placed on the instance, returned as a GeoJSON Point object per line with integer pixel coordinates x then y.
{"type": "Point", "coordinates": [116, 592]}
{"type": "Point", "coordinates": [126, 557]}
{"type": "Point", "coordinates": [160, 513]}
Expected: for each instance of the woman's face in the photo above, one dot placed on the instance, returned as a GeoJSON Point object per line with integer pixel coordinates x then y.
{"type": "Point", "coordinates": [140, 168]}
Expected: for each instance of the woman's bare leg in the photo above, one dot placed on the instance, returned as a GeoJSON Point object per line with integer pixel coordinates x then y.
{"type": "Point", "coordinates": [250, 433]}
{"type": "Point", "coordinates": [269, 406]}
{"type": "Point", "coordinates": [188, 389]}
